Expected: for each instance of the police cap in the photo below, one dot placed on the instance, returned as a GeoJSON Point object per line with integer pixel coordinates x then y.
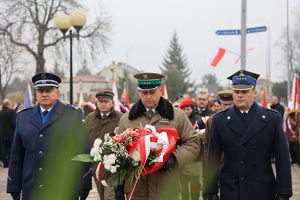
{"type": "Point", "coordinates": [45, 80]}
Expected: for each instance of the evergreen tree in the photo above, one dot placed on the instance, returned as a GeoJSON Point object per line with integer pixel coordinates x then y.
{"type": "Point", "coordinates": [84, 70]}
{"type": "Point", "coordinates": [210, 79]}
{"type": "Point", "coordinates": [174, 82]}
{"type": "Point", "coordinates": [131, 87]}
{"type": "Point", "coordinates": [280, 90]}
{"type": "Point", "coordinates": [176, 70]}
{"type": "Point", "coordinates": [57, 71]}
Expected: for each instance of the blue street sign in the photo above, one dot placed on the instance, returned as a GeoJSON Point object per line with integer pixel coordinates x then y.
{"type": "Point", "coordinates": [256, 29]}
{"type": "Point", "coordinates": [228, 32]}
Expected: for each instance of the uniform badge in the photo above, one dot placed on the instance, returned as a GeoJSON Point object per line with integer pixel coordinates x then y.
{"type": "Point", "coordinates": [164, 121]}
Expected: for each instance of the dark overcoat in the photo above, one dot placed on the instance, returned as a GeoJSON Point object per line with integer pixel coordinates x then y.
{"type": "Point", "coordinates": [7, 123]}
{"type": "Point", "coordinates": [247, 173]}
{"type": "Point", "coordinates": [40, 164]}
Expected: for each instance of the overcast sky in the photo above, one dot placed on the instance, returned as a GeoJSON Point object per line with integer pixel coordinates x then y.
{"type": "Point", "coordinates": [143, 31]}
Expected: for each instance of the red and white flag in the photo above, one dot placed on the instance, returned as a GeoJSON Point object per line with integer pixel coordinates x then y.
{"type": "Point", "coordinates": [214, 58]}
{"type": "Point", "coordinates": [293, 106]}
{"type": "Point", "coordinates": [294, 101]}
{"type": "Point", "coordinates": [116, 98]}
{"type": "Point", "coordinates": [247, 51]}
{"type": "Point", "coordinates": [164, 91]}
{"type": "Point", "coordinates": [125, 93]}
{"type": "Point", "coordinates": [264, 100]}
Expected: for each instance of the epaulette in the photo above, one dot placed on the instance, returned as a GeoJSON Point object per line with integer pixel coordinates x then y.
{"type": "Point", "coordinates": [24, 109]}
{"type": "Point", "coordinates": [220, 112]}
{"type": "Point", "coordinates": [272, 110]}
{"type": "Point", "coordinates": [72, 106]}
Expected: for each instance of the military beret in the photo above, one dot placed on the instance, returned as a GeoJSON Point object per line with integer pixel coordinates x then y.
{"type": "Point", "coordinates": [148, 81]}
{"type": "Point", "coordinates": [105, 94]}
{"type": "Point", "coordinates": [186, 103]}
{"type": "Point", "coordinates": [243, 80]}
{"type": "Point", "coordinates": [45, 80]}
{"type": "Point", "coordinates": [178, 97]}
{"type": "Point", "coordinates": [225, 96]}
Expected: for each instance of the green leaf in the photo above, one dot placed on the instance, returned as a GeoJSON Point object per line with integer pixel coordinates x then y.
{"type": "Point", "coordinates": [83, 158]}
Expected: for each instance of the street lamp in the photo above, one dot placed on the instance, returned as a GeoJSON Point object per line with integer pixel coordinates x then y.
{"type": "Point", "coordinates": [288, 52]}
{"type": "Point", "coordinates": [77, 19]}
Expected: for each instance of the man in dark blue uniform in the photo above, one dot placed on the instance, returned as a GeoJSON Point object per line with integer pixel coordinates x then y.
{"type": "Point", "coordinates": [248, 134]}
{"type": "Point", "coordinates": [47, 137]}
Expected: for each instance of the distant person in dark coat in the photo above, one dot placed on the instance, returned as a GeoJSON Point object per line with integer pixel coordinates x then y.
{"type": "Point", "coordinates": [202, 109]}
{"type": "Point", "coordinates": [47, 137]}
{"type": "Point", "coordinates": [248, 134]}
{"type": "Point", "coordinates": [276, 105]}
{"type": "Point", "coordinates": [7, 128]}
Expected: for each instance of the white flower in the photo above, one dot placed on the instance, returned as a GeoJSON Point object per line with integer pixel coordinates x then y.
{"type": "Point", "coordinates": [113, 169]}
{"type": "Point", "coordinates": [111, 158]}
{"type": "Point", "coordinates": [94, 152]}
{"type": "Point", "coordinates": [97, 142]}
{"type": "Point", "coordinates": [97, 157]}
{"type": "Point", "coordinates": [135, 155]}
{"type": "Point", "coordinates": [107, 166]}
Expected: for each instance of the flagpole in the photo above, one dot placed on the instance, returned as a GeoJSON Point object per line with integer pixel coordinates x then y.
{"type": "Point", "coordinates": [115, 91]}
{"type": "Point", "coordinates": [229, 51]}
{"type": "Point", "coordinates": [233, 52]}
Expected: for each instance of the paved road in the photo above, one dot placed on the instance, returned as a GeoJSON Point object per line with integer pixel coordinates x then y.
{"type": "Point", "coordinates": [93, 194]}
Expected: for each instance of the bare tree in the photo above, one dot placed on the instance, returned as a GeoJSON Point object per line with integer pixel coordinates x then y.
{"type": "Point", "coordinates": [29, 24]}
{"type": "Point", "coordinates": [294, 44]}
{"type": "Point", "coordinates": [10, 64]}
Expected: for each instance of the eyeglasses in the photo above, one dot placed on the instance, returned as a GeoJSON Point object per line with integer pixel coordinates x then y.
{"type": "Point", "coordinates": [201, 99]}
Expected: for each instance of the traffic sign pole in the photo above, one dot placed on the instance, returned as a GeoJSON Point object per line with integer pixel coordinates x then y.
{"type": "Point", "coordinates": [243, 34]}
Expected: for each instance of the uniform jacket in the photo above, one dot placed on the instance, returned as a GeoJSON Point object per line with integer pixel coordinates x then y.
{"type": "Point", "coordinates": [98, 127]}
{"type": "Point", "coordinates": [158, 185]}
{"type": "Point", "coordinates": [40, 163]}
{"type": "Point", "coordinates": [247, 173]}
{"type": "Point", "coordinates": [7, 123]}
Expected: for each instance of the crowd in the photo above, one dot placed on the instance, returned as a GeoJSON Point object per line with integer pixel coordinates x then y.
{"type": "Point", "coordinates": [226, 147]}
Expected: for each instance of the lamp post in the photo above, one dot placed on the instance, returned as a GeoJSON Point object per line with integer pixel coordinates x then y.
{"type": "Point", "coordinates": [77, 19]}
{"type": "Point", "coordinates": [288, 52]}
{"type": "Point", "coordinates": [269, 51]}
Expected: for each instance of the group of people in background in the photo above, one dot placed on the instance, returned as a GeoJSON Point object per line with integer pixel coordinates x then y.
{"type": "Point", "coordinates": [226, 148]}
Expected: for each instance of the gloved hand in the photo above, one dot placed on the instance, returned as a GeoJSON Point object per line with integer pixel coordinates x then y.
{"type": "Point", "coordinates": [213, 197]}
{"type": "Point", "coordinates": [278, 197]}
{"type": "Point", "coordinates": [119, 192]}
{"type": "Point", "coordinates": [169, 164]}
{"type": "Point", "coordinates": [15, 196]}
{"type": "Point", "coordinates": [83, 194]}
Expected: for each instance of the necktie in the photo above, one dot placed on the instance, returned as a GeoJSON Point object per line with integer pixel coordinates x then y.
{"type": "Point", "coordinates": [104, 116]}
{"type": "Point", "coordinates": [150, 113]}
{"type": "Point", "coordinates": [45, 112]}
{"type": "Point", "coordinates": [244, 114]}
